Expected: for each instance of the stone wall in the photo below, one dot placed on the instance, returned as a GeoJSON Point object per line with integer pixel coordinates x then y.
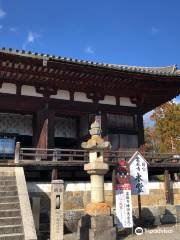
{"type": "Point", "coordinates": [77, 196]}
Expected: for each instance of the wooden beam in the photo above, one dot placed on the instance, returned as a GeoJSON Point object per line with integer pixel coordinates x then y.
{"type": "Point", "coordinates": [16, 103]}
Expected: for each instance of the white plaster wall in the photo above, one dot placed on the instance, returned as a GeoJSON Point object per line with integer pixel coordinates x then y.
{"type": "Point", "coordinates": [125, 101]}
{"type": "Point", "coordinates": [69, 186]}
{"type": "Point", "coordinates": [81, 97]}
{"type": "Point", "coordinates": [111, 100]}
{"type": "Point", "coordinates": [30, 91]}
{"type": "Point", "coordinates": [86, 186]}
{"type": "Point", "coordinates": [8, 88]}
{"type": "Point", "coordinates": [61, 94]}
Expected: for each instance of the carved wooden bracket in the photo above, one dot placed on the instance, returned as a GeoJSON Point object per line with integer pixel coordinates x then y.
{"type": "Point", "coordinates": [134, 100]}
{"type": "Point", "coordinates": [18, 89]}
{"type": "Point", "coordinates": [95, 96]}
{"type": "Point", "coordinates": [46, 91]}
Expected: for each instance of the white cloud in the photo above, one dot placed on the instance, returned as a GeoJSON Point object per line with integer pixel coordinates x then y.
{"type": "Point", "coordinates": [89, 50]}
{"type": "Point", "coordinates": [31, 37]}
{"type": "Point", "coordinates": [2, 13]}
{"type": "Point", "coordinates": [12, 29]}
{"type": "Point", "coordinates": [155, 30]}
{"type": "Point", "coordinates": [1, 26]}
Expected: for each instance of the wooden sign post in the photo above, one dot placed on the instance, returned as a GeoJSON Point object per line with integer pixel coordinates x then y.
{"type": "Point", "coordinates": [139, 177]}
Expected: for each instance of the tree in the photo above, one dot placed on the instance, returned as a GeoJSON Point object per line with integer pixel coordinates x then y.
{"type": "Point", "coordinates": [151, 140]}
{"type": "Point", "coordinates": [164, 136]}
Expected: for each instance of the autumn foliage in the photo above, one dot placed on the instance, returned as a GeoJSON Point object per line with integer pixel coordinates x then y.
{"type": "Point", "coordinates": [164, 136]}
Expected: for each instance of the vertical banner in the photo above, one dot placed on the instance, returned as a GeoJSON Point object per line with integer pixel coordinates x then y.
{"type": "Point", "coordinates": [139, 174]}
{"type": "Point", "coordinates": [123, 196]}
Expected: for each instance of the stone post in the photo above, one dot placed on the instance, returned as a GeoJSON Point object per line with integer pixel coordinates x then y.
{"type": "Point", "coordinates": [97, 224]}
{"type": "Point", "coordinates": [17, 153]}
{"type": "Point", "coordinates": [57, 210]}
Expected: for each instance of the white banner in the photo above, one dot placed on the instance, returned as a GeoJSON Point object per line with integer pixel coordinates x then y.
{"type": "Point", "coordinates": [124, 209]}
{"type": "Point", "coordinates": [139, 174]}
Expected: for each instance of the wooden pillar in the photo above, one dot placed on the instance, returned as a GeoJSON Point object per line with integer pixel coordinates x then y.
{"type": "Point", "coordinates": [54, 175]}
{"type": "Point", "coordinates": [104, 124]}
{"type": "Point", "coordinates": [43, 128]}
{"type": "Point", "coordinates": [167, 187]}
{"type": "Point", "coordinates": [51, 128]}
{"type": "Point", "coordinates": [140, 125]}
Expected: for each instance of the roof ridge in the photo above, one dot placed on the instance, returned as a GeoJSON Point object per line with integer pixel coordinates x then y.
{"type": "Point", "coordinates": [146, 67]}
{"type": "Point", "coordinates": [170, 70]}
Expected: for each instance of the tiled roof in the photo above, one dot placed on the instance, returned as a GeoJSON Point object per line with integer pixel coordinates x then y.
{"type": "Point", "coordinates": [162, 71]}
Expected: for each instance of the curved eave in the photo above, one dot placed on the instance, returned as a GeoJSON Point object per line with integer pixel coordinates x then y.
{"type": "Point", "coordinates": [157, 71]}
{"type": "Point", "coordinates": [151, 86]}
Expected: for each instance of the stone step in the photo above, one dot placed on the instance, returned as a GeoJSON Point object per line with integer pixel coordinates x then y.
{"type": "Point", "coordinates": [5, 178]}
{"type": "Point", "coordinates": [8, 193]}
{"type": "Point", "coordinates": [10, 221]}
{"type": "Point", "coordinates": [8, 188]}
{"type": "Point", "coordinates": [9, 199]}
{"type": "Point", "coordinates": [10, 213]}
{"type": "Point", "coordinates": [6, 206]}
{"type": "Point", "coordinates": [15, 236]}
{"type": "Point", "coordinates": [7, 183]}
{"type": "Point", "coordinates": [8, 229]}
{"type": "Point", "coordinates": [7, 173]}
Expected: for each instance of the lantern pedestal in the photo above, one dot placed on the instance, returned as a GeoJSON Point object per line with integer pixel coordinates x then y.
{"type": "Point", "coordinates": [99, 227]}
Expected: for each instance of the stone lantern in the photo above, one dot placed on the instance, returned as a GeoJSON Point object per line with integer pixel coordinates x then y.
{"type": "Point", "coordinates": [97, 222]}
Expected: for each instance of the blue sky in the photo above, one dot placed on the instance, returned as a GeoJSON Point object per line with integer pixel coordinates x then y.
{"type": "Point", "coordinates": [145, 33]}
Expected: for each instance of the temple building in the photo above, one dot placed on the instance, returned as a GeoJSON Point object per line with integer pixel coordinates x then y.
{"type": "Point", "coordinates": [50, 102]}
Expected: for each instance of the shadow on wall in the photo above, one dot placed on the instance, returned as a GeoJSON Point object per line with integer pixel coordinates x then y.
{"type": "Point", "coordinates": [71, 217]}
{"type": "Point", "coordinates": [43, 230]}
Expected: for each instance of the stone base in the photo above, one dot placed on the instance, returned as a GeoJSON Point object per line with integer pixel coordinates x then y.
{"type": "Point", "coordinates": [96, 228]}
{"type": "Point", "coordinates": [96, 209]}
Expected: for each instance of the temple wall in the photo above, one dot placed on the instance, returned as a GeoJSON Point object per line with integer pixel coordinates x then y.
{"type": "Point", "coordinates": [8, 88]}
{"type": "Point", "coordinates": [30, 91]}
